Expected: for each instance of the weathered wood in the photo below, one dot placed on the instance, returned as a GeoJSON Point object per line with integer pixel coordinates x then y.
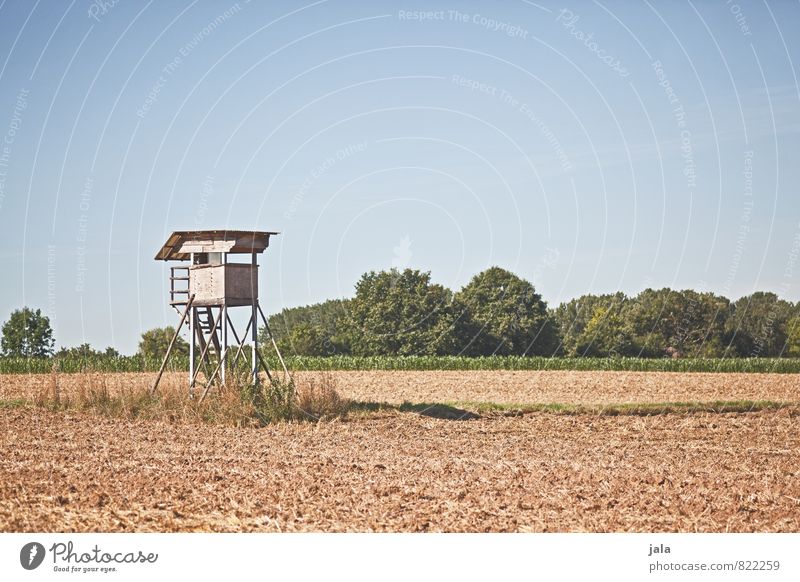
{"type": "Point", "coordinates": [210, 381]}
{"type": "Point", "coordinates": [181, 244]}
{"type": "Point", "coordinates": [264, 365]}
{"type": "Point", "coordinates": [241, 343]}
{"type": "Point", "coordinates": [274, 343]}
{"type": "Point", "coordinates": [205, 360]}
{"type": "Point", "coordinates": [238, 344]}
{"type": "Point", "coordinates": [213, 331]}
{"type": "Point", "coordinates": [198, 330]}
{"type": "Point", "coordinates": [203, 354]}
{"type": "Point", "coordinates": [232, 284]}
{"type": "Point", "coordinates": [214, 282]}
{"type": "Point", "coordinates": [171, 344]}
{"type": "Point", "coordinates": [208, 246]}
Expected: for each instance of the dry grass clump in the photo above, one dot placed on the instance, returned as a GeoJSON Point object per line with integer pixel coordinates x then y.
{"type": "Point", "coordinates": [312, 398]}
{"type": "Point", "coordinates": [318, 397]}
{"type": "Point", "coordinates": [93, 395]}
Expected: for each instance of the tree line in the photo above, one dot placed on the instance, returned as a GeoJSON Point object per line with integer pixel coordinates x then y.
{"type": "Point", "coordinates": [403, 313]}
{"type": "Point", "coordinates": [500, 313]}
{"type": "Point", "coordinates": [28, 334]}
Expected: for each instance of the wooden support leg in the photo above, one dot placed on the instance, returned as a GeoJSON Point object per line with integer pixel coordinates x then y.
{"type": "Point", "coordinates": [192, 330]}
{"type": "Point", "coordinates": [241, 343]}
{"type": "Point", "coordinates": [254, 331]}
{"type": "Point", "coordinates": [204, 355]}
{"type": "Point", "coordinates": [274, 344]}
{"type": "Point", "coordinates": [171, 345]}
{"type": "Point", "coordinates": [213, 375]}
{"type": "Point", "coordinates": [214, 336]}
{"type": "Point", "coordinates": [224, 342]}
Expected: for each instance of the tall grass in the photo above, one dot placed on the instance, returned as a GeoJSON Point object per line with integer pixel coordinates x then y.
{"type": "Point", "coordinates": [310, 398]}
{"type": "Point", "coordinates": [95, 396]}
{"type": "Point", "coordinates": [332, 363]}
{"type": "Point", "coordinates": [235, 404]}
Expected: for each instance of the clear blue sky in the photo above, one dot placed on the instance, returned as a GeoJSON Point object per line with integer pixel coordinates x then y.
{"type": "Point", "coordinates": [590, 147]}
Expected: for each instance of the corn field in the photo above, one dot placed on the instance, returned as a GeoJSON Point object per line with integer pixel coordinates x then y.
{"type": "Point", "coordinates": [774, 365]}
{"type": "Point", "coordinates": [318, 363]}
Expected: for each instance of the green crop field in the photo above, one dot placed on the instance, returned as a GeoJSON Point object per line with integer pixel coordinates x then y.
{"type": "Point", "coordinates": [140, 364]}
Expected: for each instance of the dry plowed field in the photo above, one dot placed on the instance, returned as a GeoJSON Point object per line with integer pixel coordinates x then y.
{"type": "Point", "coordinates": [504, 387]}
{"type": "Point", "coordinates": [403, 471]}
{"type": "Point", "coordinates": [501, 387]}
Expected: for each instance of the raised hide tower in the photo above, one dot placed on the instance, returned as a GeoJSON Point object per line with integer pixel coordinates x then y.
{"type": "Point", "coordinates": [208, 282]}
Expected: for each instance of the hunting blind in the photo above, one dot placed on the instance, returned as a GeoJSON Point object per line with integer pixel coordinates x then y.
{"type": "Point", "coordinates": [202, 289]}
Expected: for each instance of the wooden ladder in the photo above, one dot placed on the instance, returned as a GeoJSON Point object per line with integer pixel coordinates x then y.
{"type": "Point", "coordinates": [178, 296]}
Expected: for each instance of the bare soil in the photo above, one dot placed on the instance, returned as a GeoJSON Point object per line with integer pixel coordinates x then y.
{"type": "Point", "coordinates": [547, 387]}
{"type": "Point", "coordinates": [502, 387]}
{"type": "Point", "coordinates": [62, 471]}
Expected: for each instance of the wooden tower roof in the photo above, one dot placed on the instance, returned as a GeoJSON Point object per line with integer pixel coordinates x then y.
{"type": "Point", "coordinates": [181, 243]}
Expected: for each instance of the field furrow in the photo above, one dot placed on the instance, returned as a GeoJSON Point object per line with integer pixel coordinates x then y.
{"type": "Point", "coordinates": [402, 472]}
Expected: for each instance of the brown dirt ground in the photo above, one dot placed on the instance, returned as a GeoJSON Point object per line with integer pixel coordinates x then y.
{"type": "Point", "coordinates": [403, 472]}
{"type": "Point", "coordinates": [528, 387]}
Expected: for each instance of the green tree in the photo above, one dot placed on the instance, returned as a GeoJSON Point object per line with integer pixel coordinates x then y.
{"type": "Point", "coordinates": [27, 333]}
{"type": "Point", "coordinates": [793, 337]}
{"type": "Point", "coordinates": [403, 313]}
{"type": "Point", "coordinates": [86, 355]}
{"type": "Point", "coordinates": [595, 325]}
{"type": "Point", "coordinates": [154, 343]}
{"type": "Point", "coordinates": [328, 320]}
{"type": "Point", "coordinates": [111, 353]}
{"type": "Point", "coordinates": [758, 325]}
{"type": "Point", "coordinates": [304, 340]}
{"type": "Point", "coordinates": [510, 314]}
{"type": "Point", "coordinates": [606, 334]}
{"type": "Point", "coordinates": [679, 323]}
{"type": "Point", "coordinates": [84, 351]}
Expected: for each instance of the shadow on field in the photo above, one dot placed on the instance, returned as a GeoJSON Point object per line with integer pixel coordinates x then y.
{"type": "Point", "coordinates": [442, 411]}
{"type": "Point", "coordinates": [432, 410]}
{"type": "Point", "coordinates": [491, 410]}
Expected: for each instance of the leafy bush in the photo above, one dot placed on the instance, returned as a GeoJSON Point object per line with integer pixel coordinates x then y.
{"type": "Point", "coordinates": [155, 342]}
{"type": "Point", "coordinates": [273, 401]}
{"type": "Point", "coordinates": [27, 334]}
